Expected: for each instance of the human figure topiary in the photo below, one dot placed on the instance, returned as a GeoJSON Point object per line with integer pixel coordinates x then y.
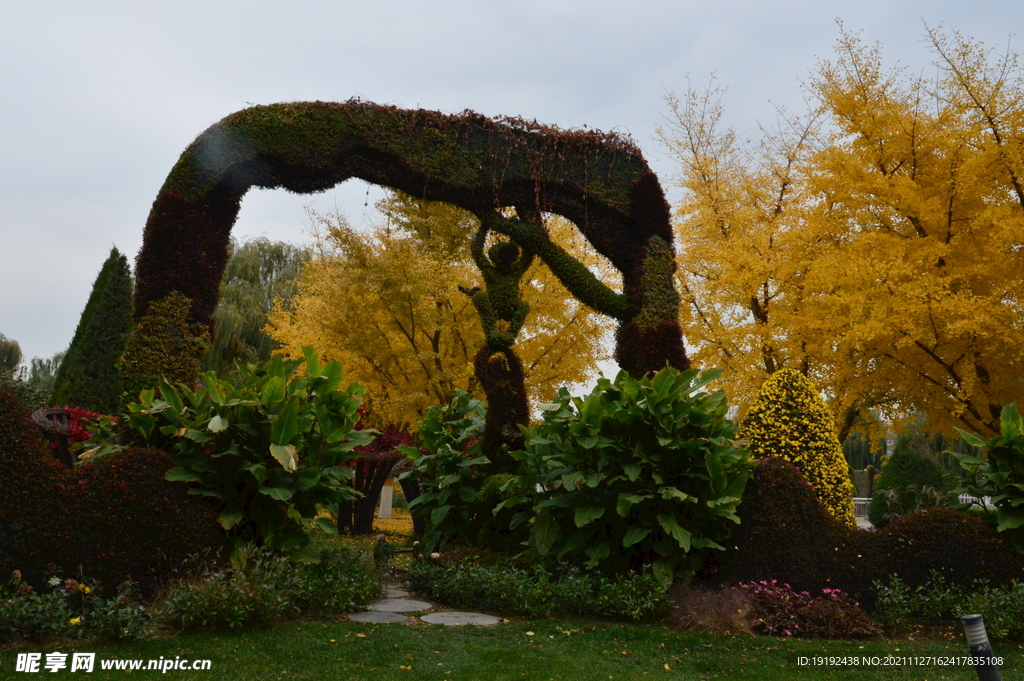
{"type": "Point", "coordinates": [501, 308]}
{"type": "Point", "coordinates": [790, 420]}
{"type": "Point", "coordinates": [502, 313]}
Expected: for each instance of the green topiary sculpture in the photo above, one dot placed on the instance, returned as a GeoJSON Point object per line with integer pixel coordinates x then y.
{"type": "Point", "coordinates": [789, 420]}
{"type": "Point", "coordinates": [599, 181]}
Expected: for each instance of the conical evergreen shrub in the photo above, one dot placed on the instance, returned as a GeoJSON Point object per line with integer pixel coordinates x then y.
{"type": "Point", "coordinates": [88, 376]}
{"type": "Point", "coordinates": [790, 420]}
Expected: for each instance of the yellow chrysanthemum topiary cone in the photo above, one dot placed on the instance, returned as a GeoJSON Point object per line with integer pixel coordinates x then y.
{"type": "Point", "coordinates": [790, 420]}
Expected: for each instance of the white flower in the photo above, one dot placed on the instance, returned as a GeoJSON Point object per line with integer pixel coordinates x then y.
{"type": "Point", "coordinates": [54, 581]}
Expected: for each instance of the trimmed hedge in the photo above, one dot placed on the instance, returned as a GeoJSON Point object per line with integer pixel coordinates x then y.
{"type": "Point", "coordinates": [786, 535]}
{"type": "Point", "coordinates": [114, 517]}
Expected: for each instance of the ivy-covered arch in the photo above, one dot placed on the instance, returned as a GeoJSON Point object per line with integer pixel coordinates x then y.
{"type": "Point", "coordinates": [599, 181]}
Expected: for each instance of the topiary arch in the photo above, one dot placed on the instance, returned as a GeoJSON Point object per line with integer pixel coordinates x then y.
{"type": "Point", "coordinates": [599, 181]}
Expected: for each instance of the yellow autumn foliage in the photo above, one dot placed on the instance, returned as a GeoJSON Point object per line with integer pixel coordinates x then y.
{"type": "Point", "coordinates": [386, 304]}
{"type": "Point", "coordinates": [875, 244]}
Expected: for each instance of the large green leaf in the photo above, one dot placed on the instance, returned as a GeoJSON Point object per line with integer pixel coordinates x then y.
{"type": "Point", "coordinates": [217, 424]}
{"type": "Point", "coordinates": [669, 524]}
{"type": "Point", "coordinates": [598, 553]}
{"type": "Point", "coordinates": [180, 474]}
{"type": "Point", "coordinates": [286, 456]}
{"type": "Point", "coordinates": [278, 493]}
{"type": "Point", "coordinates": [635, 534]}
{"type": "Point", "coordinates": [273, 391]}
{"type": "Point", "coordinates": [587, 514]}
{"type": "Point", "coordinates": [229, 519]}
{"type": "Point", "coordinates": [286, 425]}
{"type": "Point", "coordinates": [312, 361]}
{"type": "Point", "coordinates": [545, 532]}
{"type": "Point", "coordinates": [632, 471]}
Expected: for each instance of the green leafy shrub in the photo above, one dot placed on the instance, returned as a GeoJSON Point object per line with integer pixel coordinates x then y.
{"type": "Point", "coordinates": [640, 472]}
{"type": "Point", "coordinates": [536, 591]}
{"type": "Point", "coordinates": [910, 482]}
{"type": "Point", "coordinates": [450, 468]}
{"type": "Point", "coordinates": [778, 610]}
{"type": "Point", "coordinates": [999, 473]}
{"type": "Point", "coordinates": [266, 445]}
{"type": "Point", "coordinates": [493, 528]}
{"type": "Point", "coordinates": [790, 420]}
{"type": "Point", "coordinates": [938, 601]}
{"type": "Point", "coordinates": [70, 609]}
{"type": "Point", "coordinates": [266, 586]}
{"type": "Point", "coordinates": [88, 376]}
{"type": "Point", "coordinates": [342, 581]}
{"type": "Point", "coordinates": [255, 593]}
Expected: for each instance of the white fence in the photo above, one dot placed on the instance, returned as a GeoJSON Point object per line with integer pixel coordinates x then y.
{"type": "Point", "coordinates": [861, 505]}
{"type": "Point", "coordinates": [968, 499]}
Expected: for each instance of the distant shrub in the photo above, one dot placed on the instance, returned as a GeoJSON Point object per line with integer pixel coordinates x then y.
{"type": "Point", "coordinates": [790, 420]}
{"type": "Point", "coordinates": [910, 482]}
{"type": "Point", "coordinates": [163, 343]}
{"type": "Point", "coordinates": [957, 546]}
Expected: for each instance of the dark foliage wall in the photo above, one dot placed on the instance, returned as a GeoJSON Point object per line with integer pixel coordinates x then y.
{"type": "Point", "coordinates": [115, 517]}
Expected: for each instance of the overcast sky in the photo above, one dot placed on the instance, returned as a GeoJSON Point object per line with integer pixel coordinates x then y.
{"type": "Point", "coordinates": [98, 98]}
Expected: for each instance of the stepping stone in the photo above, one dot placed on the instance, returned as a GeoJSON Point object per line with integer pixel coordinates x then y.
{"type": "Point", "coordinates": [399, 605]}
{"type": "Point", "coordinates": [395, 593]}
{"type": "Point", "coordinates": [454, 619]}
{"type": "Point", "coordinates": [378, 617]}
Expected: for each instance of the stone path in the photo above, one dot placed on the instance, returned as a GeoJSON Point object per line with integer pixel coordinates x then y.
{"type": "Point", "coordinates": [396, 601]}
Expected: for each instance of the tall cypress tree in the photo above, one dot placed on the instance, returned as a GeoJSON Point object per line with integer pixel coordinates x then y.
{"type": "Point", "coordinates": [88, 377]}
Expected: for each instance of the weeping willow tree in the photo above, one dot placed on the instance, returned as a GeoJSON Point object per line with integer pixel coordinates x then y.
{"type": "Point", "coordinates": [259, 272]}
{"type": "Point", "coordinates": [10, 355]}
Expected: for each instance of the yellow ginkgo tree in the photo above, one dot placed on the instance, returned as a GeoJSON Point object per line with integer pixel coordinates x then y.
{"type": "Point", "coordinates": [874, 245]}
{"type": "Point", "coordinates": [386, 304]}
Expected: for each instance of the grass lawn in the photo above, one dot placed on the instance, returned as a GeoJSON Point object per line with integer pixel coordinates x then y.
{"type": "Point", "coordinates": [517, 650]}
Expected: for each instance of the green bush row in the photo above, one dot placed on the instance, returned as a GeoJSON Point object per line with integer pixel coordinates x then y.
{"type": "Point", "coordinates": [539, 592]}
{"type": "Point", "coordinates": [263, 588]}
